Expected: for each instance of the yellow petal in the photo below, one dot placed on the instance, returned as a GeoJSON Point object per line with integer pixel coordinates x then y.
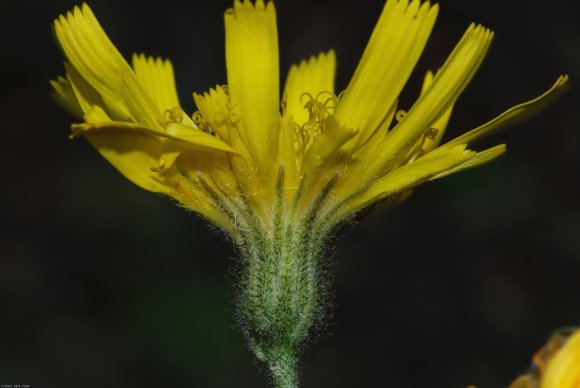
{"type": "Point", "coordinates": [385, 153]}
{"type": "Point", "coordinates": [96, 115]}
{"type": "Point", "coordinates": [308, 79]}
{"type": "Point", "coordinates": [160, 152]}
{"type": "Point", "coordinates": [134, 153]}
{"type": "Point", "coordinates": [191, 193]}
{"type": "Point", "coordinates": [215, 167]}
{"type": "Point", "coordinates": [96, 59]}
{"type": "Point", "coordinates": [157, 80]}
{"type": "Point", "coordinates": [86, 95]}
{"type": "Point", "coordinates": [185, 136]}
{"type": "Point", "coordinates": [325, 145]}
{"type": "Point", "coordinates": [408, 176]}
{"type": "Point", "coordinates": [478, 159]}
{"type": "Point", "coordinates": [64, 94]}
{"type": "Point", "coordinates": [216, 109]}
{"type": "Point", "coordinates": [253, 76]}
{"type": "Point", "coordinates": [290, 154]}
{"type": "Point", "coordinates": [313, 76]}
{"type": "Point", "coordinates": [432, 138]}
{"type": "Point", "coordinates": [323, 159]}
{"type": "Point", "coordinates": [563, 370]}
{"type": "Point", "coordinates": [446, 87]}
{"type": "Point", "coordinates": [441, 124]}
{"type": "Point", "coordinates": [427, 81]}
{"type": "Point", "coordinates": [514, 115]}
{"type": "Point", "coordinates": [213, 106]}
{"type": "Point", "coordinates": [195, 138]}
{"type": "Point", "coordinates": [181, 136]}
{"type": "Point", "coordinates": [391, 54]}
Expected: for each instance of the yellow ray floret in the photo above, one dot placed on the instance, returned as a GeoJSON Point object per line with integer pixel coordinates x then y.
{"type": "Point", "coordinates": [253, 76]}
{"type": "Point", "coordinates": [308, 78]}
{"type": "Point", "coordinates": [514, 115]}
{"type": "Point", "coordinates": [65, 96]}
{"type": "Point", "coordinates": [401, 179]}
{"type": "Point", "coordinates": [563, 370]}
{"type": "Point", "coordinates": [387, 151]}
{"type": "Point", "coordinates": [157, 80]}
{"type": "Point", "coordinates": [214, 108]}
{"type": "Point", "coordinates": [391, 54]}
{"type": "Point", "coordinates": [440, 125]}
{"type": "Point", "coordinates": [446, 87]}
{"type": "Point", "coordinates": [130, 151]}
{"type": "Point", "coordinates": [96, 59]}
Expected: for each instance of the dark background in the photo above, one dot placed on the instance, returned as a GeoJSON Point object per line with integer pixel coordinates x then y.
{"type": "Point", "coordinates": [104, 284]}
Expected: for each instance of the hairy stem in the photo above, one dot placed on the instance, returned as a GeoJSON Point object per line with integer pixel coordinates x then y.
{"type": "Point", "coordinates": [283, 365]}
{"type": "Point", "coordinates": [281, 296]}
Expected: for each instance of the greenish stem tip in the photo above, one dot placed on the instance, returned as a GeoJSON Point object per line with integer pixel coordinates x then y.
{"type": "Point", "coordinates": [283, 365]}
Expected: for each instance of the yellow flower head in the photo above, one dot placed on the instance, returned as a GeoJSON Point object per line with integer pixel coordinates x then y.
{"type": "Point", "coordinates": [279, 171]}
{"type": "Point", "coordinates": [556, 365]}
{"type": "Point", "coordinates": [563, 369]}
{"type": "Point", "coordinates": [249, 152]}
